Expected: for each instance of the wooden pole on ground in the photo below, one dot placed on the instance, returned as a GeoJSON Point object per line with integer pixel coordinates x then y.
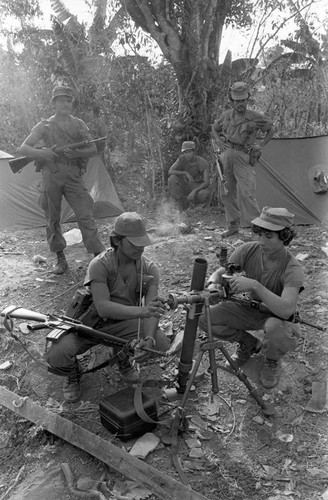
{"type": "Point", "coordinates": [119, 460]}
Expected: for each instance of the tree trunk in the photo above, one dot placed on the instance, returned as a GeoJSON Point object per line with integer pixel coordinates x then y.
{"type": "Point", "coordinates": [189, 37]}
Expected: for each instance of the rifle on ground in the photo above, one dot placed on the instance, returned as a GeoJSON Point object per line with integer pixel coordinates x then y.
{"type": "Point", "coordinates": [17, 164]}
{"type": "Point", "coordinates": [219, 180]}
{"type": "Point", "coordinates": [62, 325]}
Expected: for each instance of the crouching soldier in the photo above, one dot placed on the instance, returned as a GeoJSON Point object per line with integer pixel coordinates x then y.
{"type": "Point", "coordinates": [271, 276]}
{"type": "Point", "coordinates": [117, 278]}
{"type": "Point", "coordinates": [188, 181]}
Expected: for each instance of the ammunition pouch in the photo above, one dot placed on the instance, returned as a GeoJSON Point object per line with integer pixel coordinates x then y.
{"type": "Point", "coordinates": [83, 163]}
{"type": "Point", "coordinates": [83, 309]}
{"type": "Point", "coordinates": [39, 164]}
{"type": "Point", "coordinates": [255, 153]}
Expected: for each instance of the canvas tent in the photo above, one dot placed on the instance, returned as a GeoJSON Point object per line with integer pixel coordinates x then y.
{"type": "Point", "coordinates": [285, 176]}
{"type": "Point", "coordinates": [19, 195]}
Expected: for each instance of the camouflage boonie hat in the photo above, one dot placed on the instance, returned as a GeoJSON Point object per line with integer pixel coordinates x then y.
{"type": "Point", "coordinates": [239, 91]}
{"type": "Point", "coordinates": [274, 219]}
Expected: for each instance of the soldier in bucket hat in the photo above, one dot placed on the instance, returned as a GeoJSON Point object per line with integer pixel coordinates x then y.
{"type": "Point", "coordinates": [235, 133]}
{"type": "Point", "coordinates": [188, 177]}
{"type": "Point", "coordinates": [62, 175]}
{"type": "Point", "coordinates": [272, 276]}
{"type": "Point", "coordinates": [124, 287]}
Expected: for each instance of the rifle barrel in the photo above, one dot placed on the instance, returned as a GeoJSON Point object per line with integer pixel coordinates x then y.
{"type": "Point", "coordinates": [17, 164]}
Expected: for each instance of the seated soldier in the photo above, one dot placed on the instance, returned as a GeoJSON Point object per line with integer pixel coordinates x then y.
{"type": "Point", "coordinates": [116, 278]}
{"type": "Point", "coordinates": [189, 177]}
{"type": "Point", "coordinates": [272, 276]}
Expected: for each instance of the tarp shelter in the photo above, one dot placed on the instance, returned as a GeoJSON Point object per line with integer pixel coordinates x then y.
{"type": "Point", "coordinates": [19, 195]}
{"type": "Point", "coordinates": [285, 177]}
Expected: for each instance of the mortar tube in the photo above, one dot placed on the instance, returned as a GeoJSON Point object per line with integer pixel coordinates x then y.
{"type": "Point", "coordinates": [190, 330]}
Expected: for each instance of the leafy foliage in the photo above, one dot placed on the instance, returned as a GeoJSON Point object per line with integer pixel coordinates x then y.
{"type": "Point", "coordinates": [295, 89]}
{"type": "Point", "coordinates": [147, 107]}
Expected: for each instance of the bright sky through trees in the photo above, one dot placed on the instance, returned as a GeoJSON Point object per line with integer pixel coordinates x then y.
{"type": "Point", "coordinates": [238, 41]}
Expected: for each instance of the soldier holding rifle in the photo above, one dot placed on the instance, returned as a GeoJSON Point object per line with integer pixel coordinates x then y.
{"type": "Point", "coordinates": [62, 174]}
{"type": "Point", "coordinates": [272, 276]}
{"type": "Point", "coordinates": [235, 133]}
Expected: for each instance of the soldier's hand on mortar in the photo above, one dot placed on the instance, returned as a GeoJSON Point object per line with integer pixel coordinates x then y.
{"type": "Point", "coordinates": [155, 308]}
{"type": "Point", "coordinates": [241, 284]}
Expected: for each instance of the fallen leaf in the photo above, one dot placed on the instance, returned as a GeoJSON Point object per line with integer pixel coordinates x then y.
{"type": "Point", "coordinates": [318, 401]}
{"type": "Point", "coordinates": [198, 422]}
{"type": "Point", "coordinates": [193, 443]}
{"type": "Point", "coordinates": [145, 445]}
{"type": "Point", "coordinates": [285, 438]}
{"type": "Point", "coordinates": [270, 471]}
{"type": "Point", "coordinates": [302, 256]}
{"type": "Point", "coordinates": [258, 420]}
{"type": "Point", "coordinates": [319, 473]}
{"type": "Point", "coordinates": [196, 453]}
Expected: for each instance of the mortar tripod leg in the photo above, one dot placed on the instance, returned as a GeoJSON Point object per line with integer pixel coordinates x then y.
{"type": "Point", "coordinates": [267, 409]}
{"type": "Point", "coordinates": [211, 351]}
{"type": "Point", "coordinates": [191, 379]}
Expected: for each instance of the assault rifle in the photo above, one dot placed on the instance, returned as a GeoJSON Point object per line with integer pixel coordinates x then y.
{"type": "Point", "coordinates": [17, 164]}
{"type": "Point", "coordinates": [62, 325]}
{"type": "Point", "coordinates": [220, 175]}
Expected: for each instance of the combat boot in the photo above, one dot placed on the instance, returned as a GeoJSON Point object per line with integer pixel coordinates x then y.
{"type": "Point", "coordinates": [129, 371]}
{"type": "Point", "coordinates": [61, 265]}
{"type": "Point", "coordinates": [72, 387]}
{"type": "Point", "coordinates": [247, 346]}
{"type": "Point", "coordinates": [269, 375]}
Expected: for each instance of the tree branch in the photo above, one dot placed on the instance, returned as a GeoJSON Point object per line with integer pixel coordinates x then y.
{"type": "Point", "coordinates": [150, 16]}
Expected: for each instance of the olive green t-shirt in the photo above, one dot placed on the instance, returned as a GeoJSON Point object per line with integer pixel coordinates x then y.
{"type": "Point", "coordinates": [287, 272]}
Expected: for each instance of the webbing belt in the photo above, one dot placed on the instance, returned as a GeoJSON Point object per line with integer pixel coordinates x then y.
{"type": "Point", "coordinates": [238, 147]}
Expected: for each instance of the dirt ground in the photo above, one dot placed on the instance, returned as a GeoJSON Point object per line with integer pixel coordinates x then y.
{"type": "Point", "coordinates": [230, 450]}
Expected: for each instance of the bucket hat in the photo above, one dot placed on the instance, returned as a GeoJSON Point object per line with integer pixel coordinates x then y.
{"type": "Point", "coordinates": [274, 219]}
{"type": "Point", "coordinates": [239, 91]}
{"type": "Point", "coordinates": [132, 226]}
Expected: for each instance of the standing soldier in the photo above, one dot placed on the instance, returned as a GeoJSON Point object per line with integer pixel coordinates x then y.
{"type": "Point", "coordinates": [62, 174]}
{"type": "Point", "coordinates": [235, 133]}
{"type": "Point", "coordinates": [189, 177]}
